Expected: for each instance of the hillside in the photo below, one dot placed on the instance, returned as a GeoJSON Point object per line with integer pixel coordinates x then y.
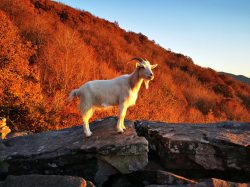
{"type": "Point", "coordinates": [48, 49]}
{"type": "Point", "coordinates": [240, 78]}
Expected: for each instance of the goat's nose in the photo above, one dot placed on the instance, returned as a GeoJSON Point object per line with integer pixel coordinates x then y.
{"type": "Point", "coordinates": [150, 74]}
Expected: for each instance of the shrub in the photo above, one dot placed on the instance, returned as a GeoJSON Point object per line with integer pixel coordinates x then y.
{"type": "Point", "coordinates": [21, 95]}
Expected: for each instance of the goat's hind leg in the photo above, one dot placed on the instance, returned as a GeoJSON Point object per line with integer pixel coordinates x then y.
{"type": "Point", "coordinates": [85, 117]}
{"type": "Point", "coordinates": [87, 112]}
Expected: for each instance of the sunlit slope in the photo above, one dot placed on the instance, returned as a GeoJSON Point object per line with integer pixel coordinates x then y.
{"type": "Point", "coordinates": [70, 47]}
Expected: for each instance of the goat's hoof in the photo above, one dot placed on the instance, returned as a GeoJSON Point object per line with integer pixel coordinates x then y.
{"type": "Point", "coordinates": [88, 134]}
{"type": "Point", "coordinates": [120, 131]}
{"type": "Point", "coordinates": [124, 128]}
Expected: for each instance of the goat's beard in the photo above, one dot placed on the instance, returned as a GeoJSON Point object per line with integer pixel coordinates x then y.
{"type": "Point", "coordinates": [146, 82]}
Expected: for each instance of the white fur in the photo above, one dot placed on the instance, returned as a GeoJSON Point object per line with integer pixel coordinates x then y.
{"type": "Point", "coordinates": [121, 91]}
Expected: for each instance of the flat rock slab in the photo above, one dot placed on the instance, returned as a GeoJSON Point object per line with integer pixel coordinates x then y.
{"type": "Point", "coordinates": [219, 183]}
{"type": "Point", "coordinates": [67, 152]}
{"type": "Point", "coordinates": [205, 183]}
{"type": "Point", "coordinates": [218, 147]}
{"type": "Point", "coordinates": [148, 177]}
{"type": "Point", "coordinates": [45, 181]}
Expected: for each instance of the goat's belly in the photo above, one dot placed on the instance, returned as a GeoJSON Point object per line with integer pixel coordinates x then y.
{"type": "Point", "coordinates": [104, 105]}
{"type": "Point", "coordinates": [105, 100]}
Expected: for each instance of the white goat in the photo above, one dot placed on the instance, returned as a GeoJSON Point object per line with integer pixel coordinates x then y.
{"type": "Point", "coordinates": [121, 91]}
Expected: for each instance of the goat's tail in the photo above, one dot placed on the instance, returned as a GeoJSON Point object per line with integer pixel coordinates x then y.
{"type": "Point", "coordinates": [73, 94]}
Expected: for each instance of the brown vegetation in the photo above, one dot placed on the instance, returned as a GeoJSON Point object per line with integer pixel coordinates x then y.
{"type": "Point", "coordinates": [47, 49]}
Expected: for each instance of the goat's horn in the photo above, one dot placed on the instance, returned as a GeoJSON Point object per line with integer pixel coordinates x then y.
{"type": "Point", "coordinates": [138, 59]}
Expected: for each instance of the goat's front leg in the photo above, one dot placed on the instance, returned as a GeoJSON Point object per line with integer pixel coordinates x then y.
{"type": "Point", "coordinates": [122, 114]}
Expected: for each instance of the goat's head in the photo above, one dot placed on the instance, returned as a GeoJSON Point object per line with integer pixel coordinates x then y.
{"type": "Point", "coordinates": [145, 70]}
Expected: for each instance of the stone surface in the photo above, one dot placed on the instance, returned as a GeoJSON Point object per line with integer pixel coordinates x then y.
{"type": "Point", "coordinates": [148, 177]}
{"type": "Point", "coordinates": [163, 177]}
{"type": "Point", "coordinates": [66, 152]}
{"type": "Point", "coordinates": [111, 159]}
{"type": "Point", "coordinates": [217, 147]}
{"type": "Point", "coordinates": [219, 183]}
{"type": "Point", "coordinates": [205, 183]}
{"type": "Point", "coordinates": [45, 181]}
{"type": "Point", "coordinates": [15, 134]}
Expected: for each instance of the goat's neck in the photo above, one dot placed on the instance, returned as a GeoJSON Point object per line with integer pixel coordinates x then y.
{"type": "Point", "coordinates": [135, 81]}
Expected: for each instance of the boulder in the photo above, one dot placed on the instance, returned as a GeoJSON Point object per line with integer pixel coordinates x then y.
{"type": "Point", "coordinates": [67, 152]}
{"type": "Point", "coordinates": [45, 180]}
{"type": "Point", "coordinates": [159, 178]}
{"type": "Point", "coordinates": [205, 183]}
{"type": "Point", "coordinates": [219, 183]}
{"type": "Point", "coordinates": [111, 159]}
{"type": "Point", "coordinates": [214, 147]}
{"type": "Point", "coordinates": [148, 177]}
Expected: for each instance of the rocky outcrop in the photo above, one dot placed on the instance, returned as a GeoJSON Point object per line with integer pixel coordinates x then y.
{"type": "Point", "coordinates": [205, 183]}
{"type": "Point", "coordinates": [111, 159]}
{"type": "Point", "coordinates": [66, 152]}
{"type": "Point", "coordinates": [139, 179]}
{"type": "Point", "coordinates": [148, 177]}
{"type": "Point", "coordinates": [219, 183]}
{"type": "Point", "coordinates": [216, 147]}
{"type": "Point", "coordinates": [45, 181]}
{"type": "Point", "coordinates": [160, 178]}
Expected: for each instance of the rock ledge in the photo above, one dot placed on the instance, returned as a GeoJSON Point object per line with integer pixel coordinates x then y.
{"type": "Point", "coordinates": [220, 146]}
{"type": "Point", "coordinates": [66, 152]}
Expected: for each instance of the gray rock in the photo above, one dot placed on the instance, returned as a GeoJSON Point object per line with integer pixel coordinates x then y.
{"type": "Point", "coordinates": [148, 177]}
{"type": "Point", "coordinates": [219, 183]}
{"type": "Point", "coordinates": [167, 185]}
{"type": "Point", "coordinates": [66, 152]}
{"type": "Point", "coordinates": [216, 147]}
{"type": "Point", "coordinates": [163, 177]}
{"type": "Point", "coordinates": [15, 134]}
{"type": "Point", "coordinates": [205, 183]}
{"type": "Point", "coordinates": [45, 180]}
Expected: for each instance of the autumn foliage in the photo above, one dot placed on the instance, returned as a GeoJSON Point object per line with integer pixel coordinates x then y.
{"type": "Point", "coordinates": [47, 49]}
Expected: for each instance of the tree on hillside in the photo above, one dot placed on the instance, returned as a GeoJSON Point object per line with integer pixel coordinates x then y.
{"type": "Point", "coordinates": [20, 91]}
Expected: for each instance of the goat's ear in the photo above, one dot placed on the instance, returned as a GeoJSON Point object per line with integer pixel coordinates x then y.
{"type": "Point", "coordinates": [154, 66]}
{"type": "Point", "coordinates": [138, 65]}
